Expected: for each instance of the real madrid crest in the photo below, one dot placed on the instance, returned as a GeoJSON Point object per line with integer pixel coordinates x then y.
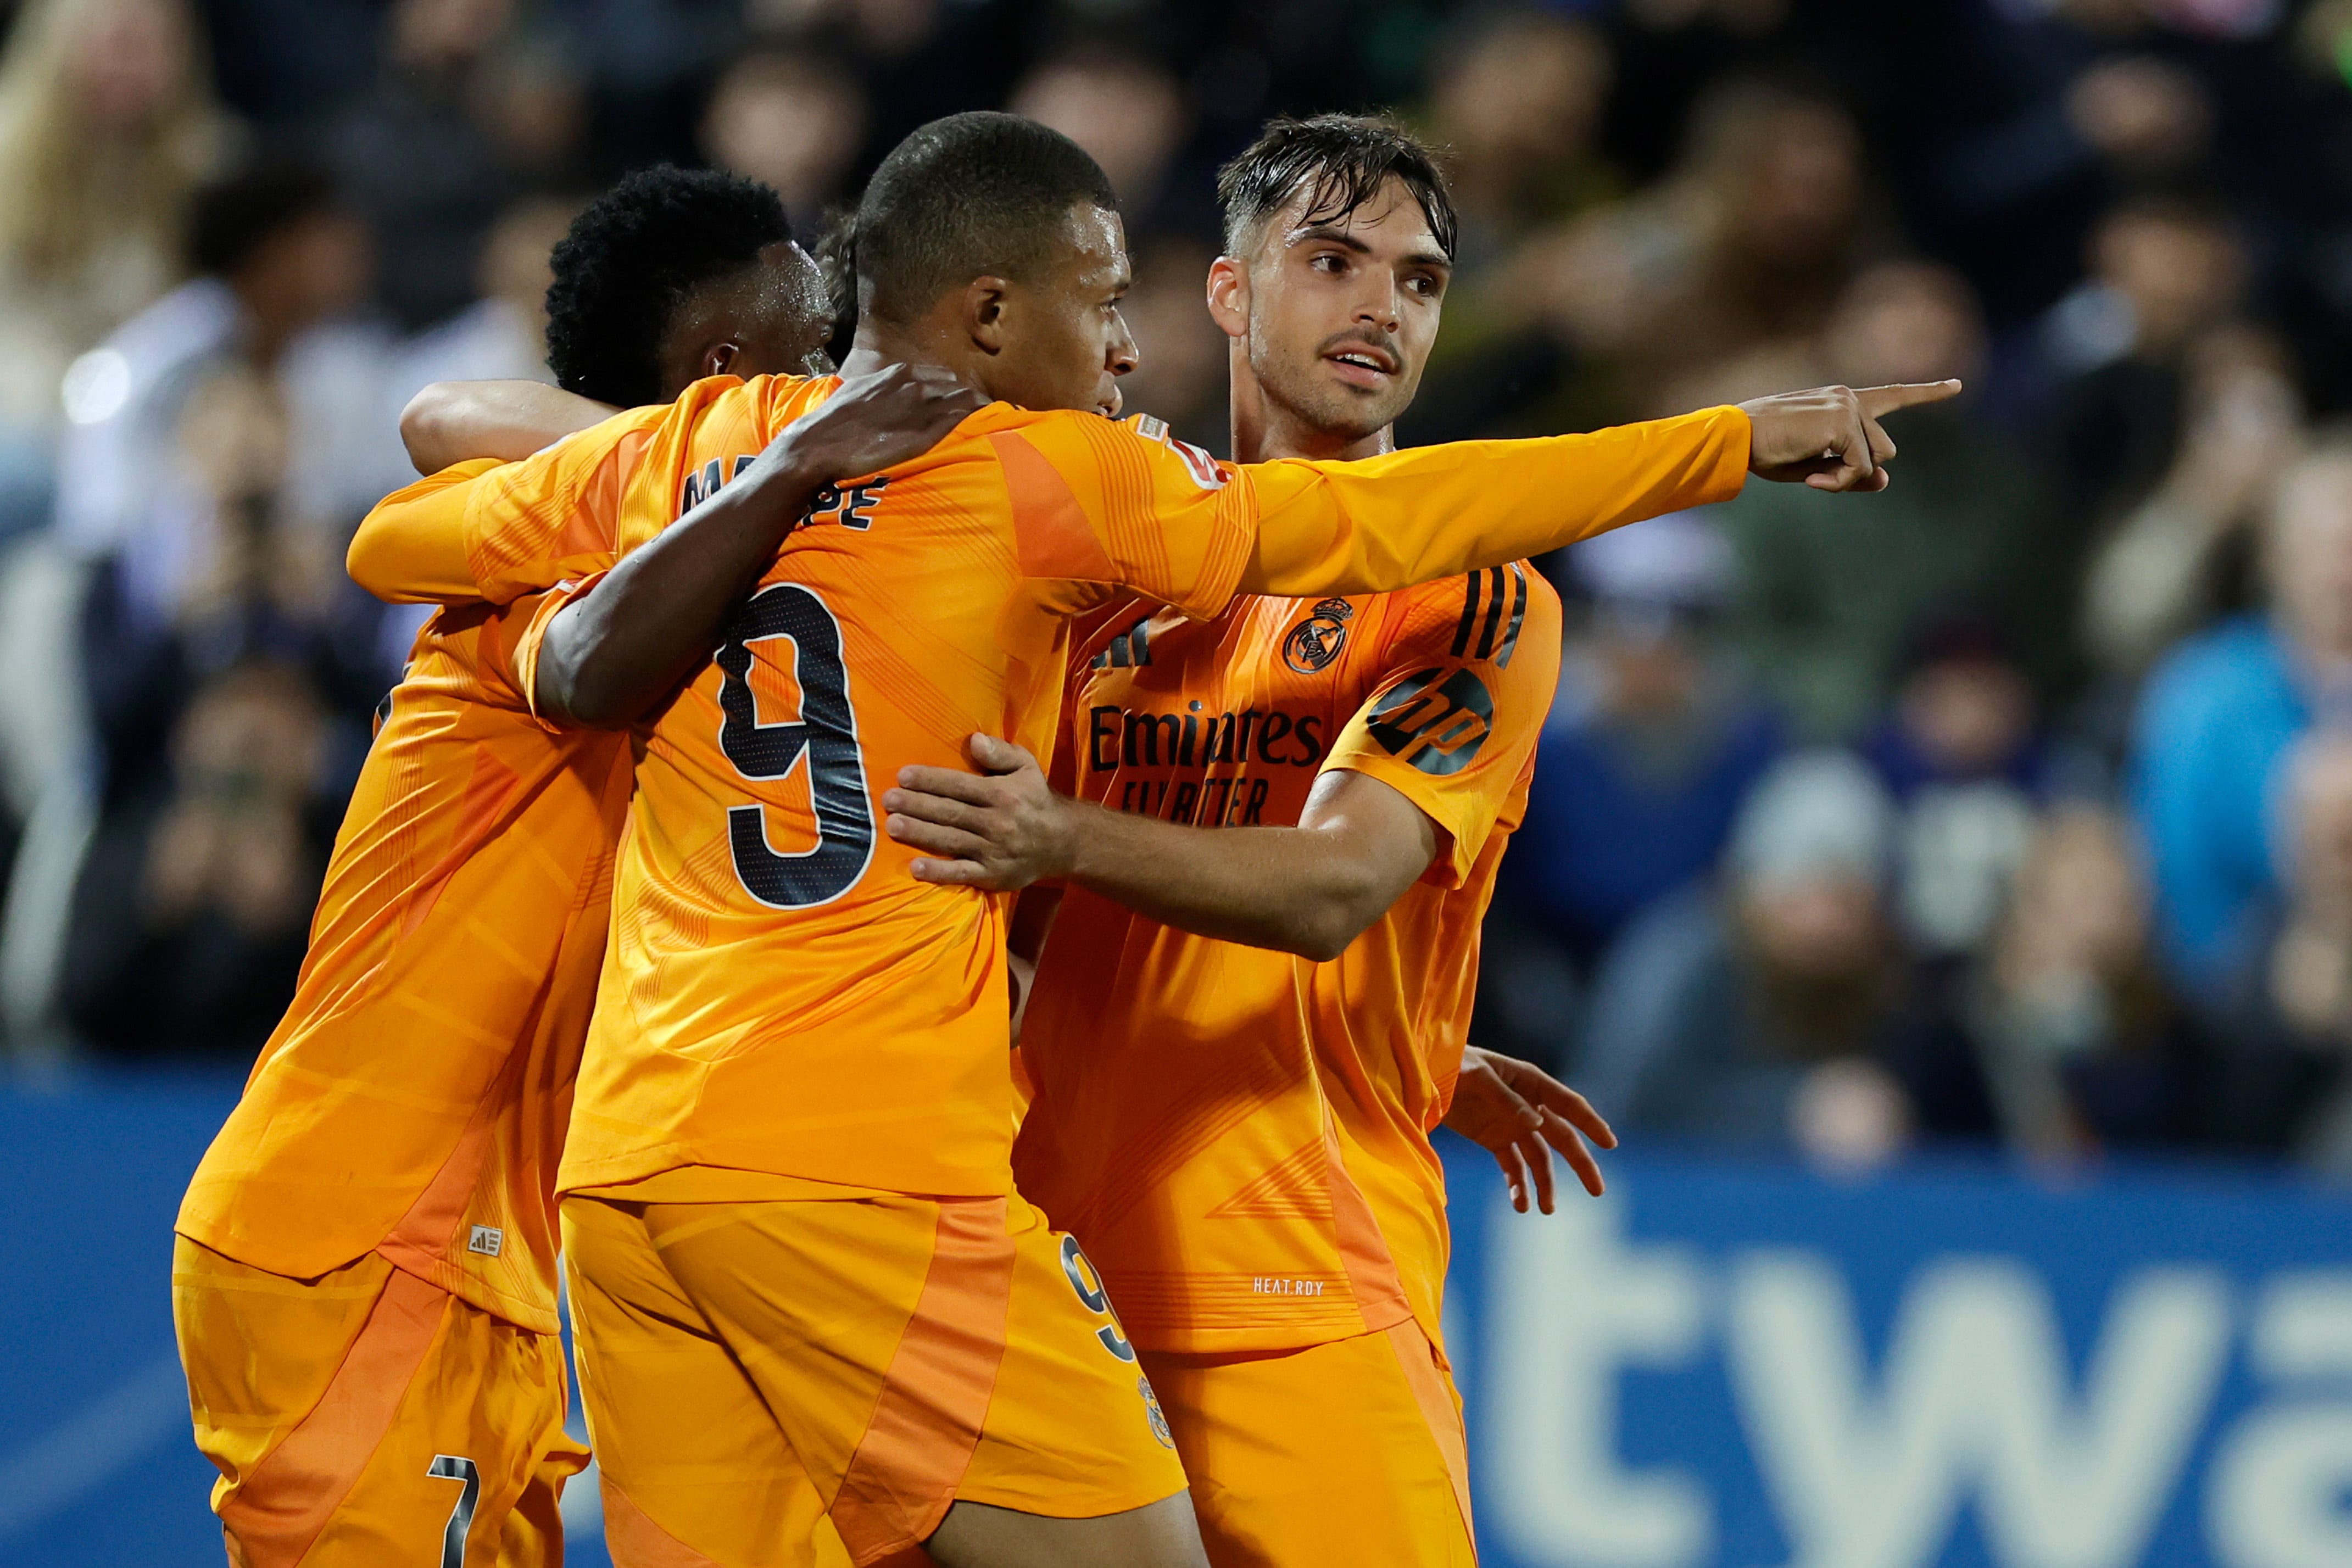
{"type": "Point", "coordinates": [1315, 642]}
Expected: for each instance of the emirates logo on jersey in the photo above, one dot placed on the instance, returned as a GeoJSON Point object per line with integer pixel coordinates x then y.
{"type": "Point", "coordinates": [1315, 642]}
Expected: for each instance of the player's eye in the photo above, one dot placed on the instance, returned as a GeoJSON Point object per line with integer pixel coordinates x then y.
{"type": "Point", "coordinates": [1330, 261]}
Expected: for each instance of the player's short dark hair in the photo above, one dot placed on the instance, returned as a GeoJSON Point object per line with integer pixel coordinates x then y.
{"type": "Point", "coordinates": [629, 261]}
{"type": "Point", "coordinates": [1342, 162]}
{"type": "Point", "coordinates": [971, 195]}
{"type": "Point", "coordinates": [236, 215]}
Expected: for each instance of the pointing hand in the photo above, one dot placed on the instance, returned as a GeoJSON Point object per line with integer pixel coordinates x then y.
{"type": "Point", "coordinates": [1829, 438]}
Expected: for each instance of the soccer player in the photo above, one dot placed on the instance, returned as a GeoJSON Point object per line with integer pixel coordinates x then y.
{"type": "Point", "coordinates": [363, 1277]}
{"type": "Point", "coordinates": [790, 1149]}
{"type": "Point", "coordinates": [1239, 1138]}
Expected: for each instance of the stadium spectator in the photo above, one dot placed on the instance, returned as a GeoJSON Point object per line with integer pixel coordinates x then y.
{"type": "Point", "coordinates": [208, 640]}
{"type": "Point", "coordinates": [1782, 177]}
{"type": "Point", "coordinates": [791, 121]}
{"type": "Point", "coordinates": [229, 434]}
{"type": "Point", "coordinates": [503, 335]}
{"type": "Point", "coordinates": [2186, 552]}
{"type": "Point", "coordinates": [1516, 98]}
{"type": "Point", "coordinates": [193, 908]}
{"type": "Point", "coordinates": [107, 125]}
{"type": "Point", "coordinates": [1653, 741]}
{"type": "Point", "coordinates": [2286, 1082]}
{"type": "Point", "coordinates": [2083, 1045]}
{"type": "Point", "coordinates": [1516, 95]}
{"type": "Point", "coordinates": [279, 260]}
{"type": "Point", "coordinates": [1131, 114]}
{"type": "Point", "coordinates": [2163, 270]}
{"type": "Point", "coordinates": [1970, 769]}
{"type": "Point", "coordinates": [2219, 714]}
{"type": "Point", "coordinates": [2059, 110]}
{"type": "Point", "coordinates": [1826, 607]}
{"type": "Point", "coordinates": [468, 112]}
{"type": "Point", "coordinates": [1765, 1017]}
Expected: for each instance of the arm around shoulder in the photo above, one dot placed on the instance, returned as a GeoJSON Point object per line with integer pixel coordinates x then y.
{"type": "Point", "coordinates": [450, 421]}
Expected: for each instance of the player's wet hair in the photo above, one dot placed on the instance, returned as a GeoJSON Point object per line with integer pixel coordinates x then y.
{"type": "Point", "coordinates": [1342, 162]}
{"type": "Point", "coordinates": [629, 262]}
{"type": "Point", "coordinates": [971, 195]}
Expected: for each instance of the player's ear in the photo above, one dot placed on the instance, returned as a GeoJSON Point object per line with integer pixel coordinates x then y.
{"type": "Point", "coordinates": [1229, 295]}
{"type": "Point", "coordinates": [719, 359]}
{"type": "Point", "coordinates": [984, 311]}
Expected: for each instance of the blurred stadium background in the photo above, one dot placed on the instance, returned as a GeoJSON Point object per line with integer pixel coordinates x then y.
{"type": "Point", "coordinates": [1950, 895]}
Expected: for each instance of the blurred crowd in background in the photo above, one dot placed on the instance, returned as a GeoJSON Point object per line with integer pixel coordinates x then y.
{"type": "Point", "coordinates": [2010, 808]}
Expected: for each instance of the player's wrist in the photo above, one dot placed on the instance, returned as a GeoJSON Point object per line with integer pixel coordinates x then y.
{"type": "Point", "coordinates": [1081, 843]}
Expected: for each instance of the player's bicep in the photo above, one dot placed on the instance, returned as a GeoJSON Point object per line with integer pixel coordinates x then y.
{"type": "Point", "coordinates": [1388, 834]}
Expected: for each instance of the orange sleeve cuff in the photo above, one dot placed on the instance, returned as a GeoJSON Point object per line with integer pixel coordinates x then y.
{"type": "Point", "coordinates": [527, 647]}
{"type": "Point", "coordinates": [1734, 441]}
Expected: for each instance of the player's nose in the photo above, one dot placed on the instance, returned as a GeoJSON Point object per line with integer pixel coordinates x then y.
{"type": "Point", "coordinates": [1123, 354]}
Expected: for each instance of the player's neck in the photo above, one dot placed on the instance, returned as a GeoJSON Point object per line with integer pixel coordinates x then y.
{"type": "Point", "coordinates": [1269, 431]}
{"type": "Point", "coordinates": [879, 345]}
{"type": "Point", "coordinates": [1264, 430]}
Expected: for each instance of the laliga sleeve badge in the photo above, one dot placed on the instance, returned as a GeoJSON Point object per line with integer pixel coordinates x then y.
{"type": "Point", "coordinates": [1159, 1416]}
{"type": "Point", "coordinates": [1315, 642]}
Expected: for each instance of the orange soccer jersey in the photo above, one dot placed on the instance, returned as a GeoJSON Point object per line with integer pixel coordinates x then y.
{"type": "Point", "coordinates": [781, 999]}
{"type": "Point", "coordinates": [414, 1099]}
{"type": "Point", "coordinates": [1180, 1127]}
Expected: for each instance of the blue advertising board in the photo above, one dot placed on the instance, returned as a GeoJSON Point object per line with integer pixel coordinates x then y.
{"type": "Point", "coordinates": [1733, 1366]}
{"type": "Point", "coordinates": [1715, 1366]}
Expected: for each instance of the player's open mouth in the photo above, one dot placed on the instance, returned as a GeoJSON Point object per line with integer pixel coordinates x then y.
{"type": "Point", "coordinates": [1363, 367]}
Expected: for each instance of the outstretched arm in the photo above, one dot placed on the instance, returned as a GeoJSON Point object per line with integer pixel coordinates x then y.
{"type": "Point", "coordinates": [626, 644]}
{"type": "Point", "coordinates": [1385, 523]}
{"type": "Point", "coordinates": [1309, 890]}
{"type": "Point", "coordinates": [450, 421]}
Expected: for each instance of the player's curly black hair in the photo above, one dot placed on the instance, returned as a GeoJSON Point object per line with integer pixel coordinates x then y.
{"type": "Point", "coordinates": [630, 260]}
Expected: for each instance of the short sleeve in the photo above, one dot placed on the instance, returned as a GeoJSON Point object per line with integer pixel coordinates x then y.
{"type": "Point", "coordinates": [1465, 681]}
{"type": "Point", "coordinates": [540, 611]}
{"type": "Point", "coordinates": [1102, 636]}
{"type": "Point", "coordinates": [1099, 506]}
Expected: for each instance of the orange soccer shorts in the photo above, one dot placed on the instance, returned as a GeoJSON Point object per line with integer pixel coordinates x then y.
{"type": "Point", "coordinates": [892, 1354]}
{"type": "Point", "coordinates": [1348, 1452]}
{"type": "Point", "coordinates": [367, 1417]}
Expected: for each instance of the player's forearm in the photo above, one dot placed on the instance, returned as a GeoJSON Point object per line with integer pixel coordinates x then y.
{"type": "Point", "coordinates": [621, 648]}
{"type": "Point", "coordinates": [450, 421]}
{"type": "Point", "coordinates": [1387, 523]}
{"type": "Point", "coordinates": [1304, 890]}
